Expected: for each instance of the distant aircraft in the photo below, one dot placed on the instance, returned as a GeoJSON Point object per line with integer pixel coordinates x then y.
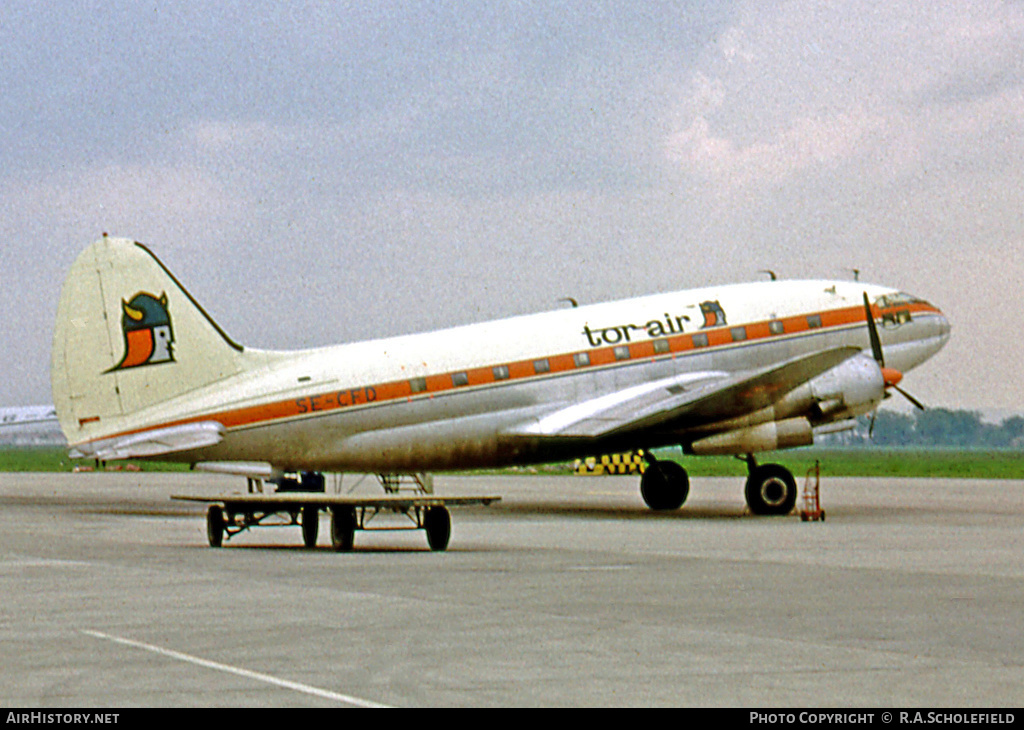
{"type": "Point", "coordinates": [30, 426]}
{"type": "Point", "coordinates": [140, 370]}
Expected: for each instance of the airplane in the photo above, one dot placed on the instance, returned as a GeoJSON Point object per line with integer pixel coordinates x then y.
{"type": "Point", "coordinates": [29, 426]}
{"type": "Point", "coordinates": [140, 370]}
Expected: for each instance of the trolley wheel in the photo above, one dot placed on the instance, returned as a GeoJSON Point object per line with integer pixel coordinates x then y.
{"type": "Point", "coordinates": [310, 525]}
{"type": "Point", "coordinates": [343, 528]}
{"type": "Point", "coordinates": [438, 525]}
{"type": "Point", "coordinates": [215, 525]}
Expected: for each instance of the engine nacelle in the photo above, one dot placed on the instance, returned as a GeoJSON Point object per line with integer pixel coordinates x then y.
{"type": "Point", "coordinates": [848, 390]}
{"type": "Point", "coordinates": [853, 388]}
{"type": "Point", "coordinates": [764, 437]}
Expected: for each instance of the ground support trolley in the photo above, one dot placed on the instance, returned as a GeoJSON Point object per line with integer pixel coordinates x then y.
{"type": "Point", "coordinates": [231, 514]}
{"type": "Point", "coordinates": [812, 510]}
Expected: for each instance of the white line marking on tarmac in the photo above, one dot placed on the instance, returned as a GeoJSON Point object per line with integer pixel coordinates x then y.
{"type": "Point", "coordinates": [258, 676]}
{"type": "Point", "coordinates": [21, 561]}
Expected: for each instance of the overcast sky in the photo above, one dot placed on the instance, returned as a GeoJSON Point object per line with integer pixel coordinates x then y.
{"type": "Point", "coordinates": [323, 172]}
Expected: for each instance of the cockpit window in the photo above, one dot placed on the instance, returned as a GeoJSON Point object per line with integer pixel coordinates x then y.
{"type": "Point", "coordinates": [895, 300]}
{"type": "Point", "coordinates": [896, 318]}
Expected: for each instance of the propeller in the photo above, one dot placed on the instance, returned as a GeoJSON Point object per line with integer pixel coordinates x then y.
{"type": "Point", "coordinates": [891, 376]}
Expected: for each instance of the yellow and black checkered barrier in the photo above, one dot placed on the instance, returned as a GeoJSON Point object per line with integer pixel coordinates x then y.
{"type": "Point", "coordinates": [631, 462]}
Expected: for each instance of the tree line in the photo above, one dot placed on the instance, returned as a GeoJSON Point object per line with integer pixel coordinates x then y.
{"type": "Point", "coordinates": [935, 427]}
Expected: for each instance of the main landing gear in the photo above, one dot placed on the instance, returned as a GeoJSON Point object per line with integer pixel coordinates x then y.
{"type": "Point", "coordinates": [664, 484]}
{"type": "Point", "coordinates": [770, 488]}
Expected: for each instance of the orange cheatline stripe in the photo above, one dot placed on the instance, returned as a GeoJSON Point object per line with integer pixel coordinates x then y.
{"type": "Point", "coordinates": [390, 392]}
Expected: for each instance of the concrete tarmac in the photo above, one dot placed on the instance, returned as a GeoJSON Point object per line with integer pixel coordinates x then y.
{"type": "Point", "coordinates": [567, 593]}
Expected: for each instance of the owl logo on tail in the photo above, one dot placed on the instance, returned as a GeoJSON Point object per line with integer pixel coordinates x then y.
{"type": "Point", "coordinates": [148, 336]}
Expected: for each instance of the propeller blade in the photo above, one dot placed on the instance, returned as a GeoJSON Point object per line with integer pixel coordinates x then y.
{"type": "Point", "coordinates": [876, 343]}
{"type": "Point", "coordinates": [891, 376]}
{"type": "Point", "coordinates": [909, 397]}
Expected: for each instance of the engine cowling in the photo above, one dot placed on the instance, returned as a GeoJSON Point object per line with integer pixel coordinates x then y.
{"type": "Point", "coordinates": [769, 436]}
{"type": "Point", "coordinates": [848, 390]}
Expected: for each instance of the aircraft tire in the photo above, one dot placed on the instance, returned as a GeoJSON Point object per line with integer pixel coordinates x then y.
{"type": "Point", "coordinates": [343, 528]}
{"type": "Point", "coordinates": [310, 525]}
{"type": "Point", "coordinates": [664, 486]}
{"type": "Point", "coordinates": [438, 525]}
{"type": "Point", "coordinates": [215, 525]}
{"type": "Point", "coordinates": [771, 490]}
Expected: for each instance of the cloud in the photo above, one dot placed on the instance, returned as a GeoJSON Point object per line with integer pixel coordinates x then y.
{"type": "Point", "coordinates": [807, 143]}
{"type": "Point", "coordinates": [776, 96]}
{"type": "Point", "coordinates": [127, 198]}
{"type": "Point", "coordinates": [458, 164]}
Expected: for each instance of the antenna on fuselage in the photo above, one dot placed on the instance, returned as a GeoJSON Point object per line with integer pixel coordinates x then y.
{"type": "Point", "coordinates": [571, 301]}
{"type": "Point", "coordinates": [769, 272]}
{"type": "Point", "coordinates": [856, 274]}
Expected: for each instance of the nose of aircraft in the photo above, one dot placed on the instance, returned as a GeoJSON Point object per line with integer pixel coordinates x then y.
{"type": "Point", "coordinates": [910, 344]}
{"type": "Point", "coordinates": [936, 332]}
{"type": "Point", "coordinates": [944, 327]}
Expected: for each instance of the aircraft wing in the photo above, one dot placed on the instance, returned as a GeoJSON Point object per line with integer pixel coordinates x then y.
{"type": "Point", "coordinates": [154, 442]}
{"type": "Point", "coordinates": [695, 398]}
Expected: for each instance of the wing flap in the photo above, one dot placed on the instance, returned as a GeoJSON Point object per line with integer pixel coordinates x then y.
{"type": "Point", "coordinates": [595, 416]}
{"type": "Point", "coordinates": [695, 398]}
{"type": "Point", "coordinates": [152, 443]}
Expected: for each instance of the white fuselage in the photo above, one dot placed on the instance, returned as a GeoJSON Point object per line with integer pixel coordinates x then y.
{"type": "Point", "coordinates": [464, 397]}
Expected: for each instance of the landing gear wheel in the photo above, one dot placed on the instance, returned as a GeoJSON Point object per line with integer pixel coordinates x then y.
{"type": "Point", "coordinates": [664, 485]}
{"type": "Point", "coordinates": [310, 525]}
{"type": "Point", "coordinates": [343, 528]}
{"type": "Point", "coordinates": [438, 525]}
{"type": "Point", "coordinates": [215, 525]}
{"type": "Point", "coordinates": [771, 490]}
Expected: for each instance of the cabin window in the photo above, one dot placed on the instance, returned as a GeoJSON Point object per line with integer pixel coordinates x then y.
{"type": "Point", "coordinates": [739, 334]}
{"type": "Point", "coordinates": [661, 346]}
{"type": "Point", "coordinates": [500, 372]}
{"type": "Point", "coordinates": [541, 366]}
{"type": "Point", "coordinates": [814, 321]}
{"type": "Point", "coordinates": [700, 339]}
{"type": "Point", "coordinates": [776, 327]}
{"type": "Point", "coordinates": [621, 352]}
{"type": "Point", "coordinates": [582, 359]}
{"type": "Point", "coordinates": [418, 385]}
{"type": "Point", "coordinates": [460, 379]}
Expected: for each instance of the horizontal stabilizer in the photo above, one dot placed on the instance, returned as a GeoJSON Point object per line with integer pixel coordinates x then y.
{"type": "Point", "coordinates": [154, 442]}
{"type": "Point", "coordinates": [248, 469]}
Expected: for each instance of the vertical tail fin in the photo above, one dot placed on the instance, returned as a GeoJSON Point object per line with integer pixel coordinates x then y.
{"type": "Point", "coordinates": [129, 336]}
